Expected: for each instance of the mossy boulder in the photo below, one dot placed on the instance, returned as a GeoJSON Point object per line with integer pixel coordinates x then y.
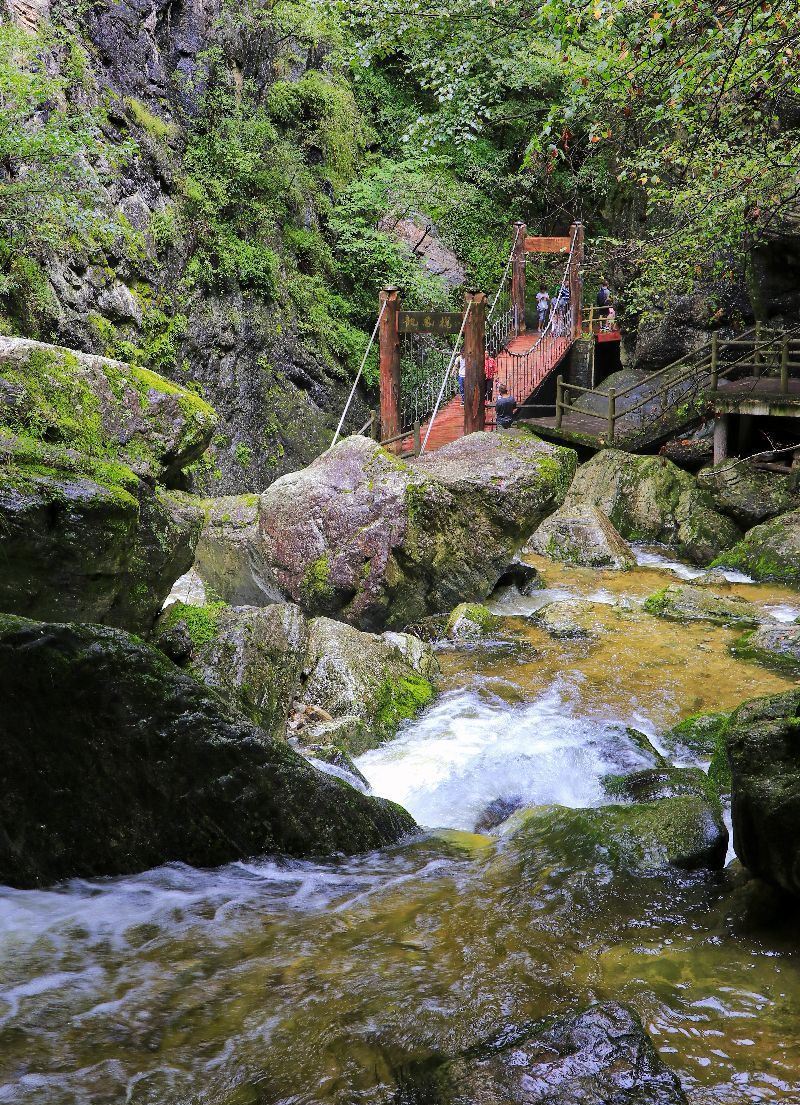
{"type": "Point", "coordinates": [379, 680]}
{"type": "Point", "coordinates": [583, 537]}
{"type": "Point", "coordinates": [100, 409]}
{"type": "Point", "coordinates": [770, 553]}
{"type": "Point", "coordinates": [663, 782]}
{"type": "Point", "coordinates": [100, 549]}
{"type": "Point", "coordinates": [599, 1056]}
{"type": "Point", "coordinates": [746, 493]}
{"type": "Point", "coordinates": [470, 621]}
{"type": "Point", "coordinates": [363, 536]}
{"type": "Point", "coordinates": [650, 499]}
{"type": "Point", "coordinates": [227, 552]}
{"type": "Point", "coordinates": [685, 831]}
{"type": "Point", "coordinates": [699, 735]}
{"type": "Point", "coordinates": [250, 655]}
{"type": "Point", "coordinates": [775, 646]}
{"type": "Point", "coordinates": [763, 747]}
{"type": "Point", "coordinates": [685, 603]}
{"type": "Point", "coordinates": [114, 760]}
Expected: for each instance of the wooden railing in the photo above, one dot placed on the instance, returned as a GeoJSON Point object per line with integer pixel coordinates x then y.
{"type": "Point", "coordinates": [594, 320]}
{"type": "Point", "coordinates": [761, 348]}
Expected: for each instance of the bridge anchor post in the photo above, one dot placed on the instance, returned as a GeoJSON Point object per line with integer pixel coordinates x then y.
{"type": "Point", "coordinates": [389, 340]}
{"type": "Point", "coordinates": [518, 289]}
{"type": "Point", "coordinates": [475, 358]}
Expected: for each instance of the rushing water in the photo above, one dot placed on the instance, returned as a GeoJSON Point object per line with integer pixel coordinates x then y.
{"type": "Point", "coordinates": [296, 983]}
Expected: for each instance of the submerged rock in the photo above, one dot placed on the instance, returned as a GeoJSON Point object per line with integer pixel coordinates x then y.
{"type": "Point", "coordinates": [250, 655]}
{"type": "Point", "coordinates": [650, 499]}
{"type": "Point", "coordinates": [747, 494]}
{"type": "Point", "coordinates": [763, 746]}
{"type": "Point", "coordinates": [656, 783]}
{"type": "Point", "coordinates": [379, 680]}
{"type": "Point", "coordinates": [685, 603]}
{"type": "Point", "coordinates": [113, 760]}
{"type": "Point", "coordinates": [775, 646]}
{"type": "Point", "coordinates": [601, 1056]}
{"type": "Point", "coordinates": [685, 831]}
{"type": "Point", "coordinates": [770, 553]}
{"type": "Point", "coordinates": [582, 537]}
{"type": "Point", "coordinates": [363, 536]}
{"type": "Point", "coordinates": [497, 812]}
{"type": "Point", "coordinates": [470, 621]}
{"type": "Point", "coordinates": [569, 619]}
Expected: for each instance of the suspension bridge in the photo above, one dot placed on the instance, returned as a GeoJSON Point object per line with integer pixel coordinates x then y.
{"type": "Point", "coordinates": [422, 354]}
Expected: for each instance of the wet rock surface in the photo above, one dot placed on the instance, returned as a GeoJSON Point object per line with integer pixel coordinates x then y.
{"type": "Point", "coordinates": [583, 537]}
{"type": "Point", "coordinates": [769, 552]}
{"type": "Point", "coordinates": [651, 499]}
{"type": "Point", "coordinates": [573, 618]}
{"type": "Point", "coordinates": [114, 760]}
{"type": "Point", "coordinates": [363, 536]}
{"type": "Point", "coordinates": [763, 748]}
{"type": "Point", "coordinates": [747, 494]}
{"type": "Point", "coordinates": [684, 602]}
{"type": "Point", "coordinates": [596, 1057]}
{"type": "Point", "coordinates": [776, 646]}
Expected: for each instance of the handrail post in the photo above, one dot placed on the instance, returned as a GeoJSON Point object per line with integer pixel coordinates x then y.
{"type": "Point", "coordinates": [591, 319]}
{"type": "Point", "coordinates": [714, 360]}
{"type": "Point", "coordinates": [518, 290]}
{"type": "Point", "coordinates": [474, 352]}
{"type": "Point", "coordinates": [417, 438]}
{"type": "Point", "coordinates": [389, 363]}
{"type": "Point", "coordinates": [785, 366]}
{"type": "Point", "coordinates": [612, 414]}
{"type": "Point", "coordinates": [559, 401]}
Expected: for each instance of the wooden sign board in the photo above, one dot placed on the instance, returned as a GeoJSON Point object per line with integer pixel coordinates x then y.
{"type": "Point", "coordinates": [429, 322]}
{"type": "Point", "coordinates": [547, 245]}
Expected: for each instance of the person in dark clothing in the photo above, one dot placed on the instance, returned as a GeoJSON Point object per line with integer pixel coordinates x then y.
{"type": "Point", "coordinates": [506, 407]}
{"type": "Point", "coordinates": [603, 300]}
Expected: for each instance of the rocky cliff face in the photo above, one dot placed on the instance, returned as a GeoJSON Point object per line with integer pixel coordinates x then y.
{"type": "Point", "coordinates": [179, 287]}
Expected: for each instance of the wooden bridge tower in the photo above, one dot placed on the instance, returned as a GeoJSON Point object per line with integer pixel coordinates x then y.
{"type": "Point", "coordinates": [573, 244]}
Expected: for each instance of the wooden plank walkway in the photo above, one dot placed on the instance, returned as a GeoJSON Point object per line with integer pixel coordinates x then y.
{"type": "Point", "coordinates": [518, 367]}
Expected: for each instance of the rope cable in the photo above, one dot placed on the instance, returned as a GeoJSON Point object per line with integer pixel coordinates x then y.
{"type": "Point", "coordinates": [358, 376]}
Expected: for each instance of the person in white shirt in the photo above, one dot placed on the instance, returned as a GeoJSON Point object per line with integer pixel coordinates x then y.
{"type": "Point", "coordinates": [542, 306]}
{"type": "Point", "coordinates": [462, 375]}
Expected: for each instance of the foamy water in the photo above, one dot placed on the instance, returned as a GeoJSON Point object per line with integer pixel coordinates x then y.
{"type": "Point", "coordinates": [647, 557]}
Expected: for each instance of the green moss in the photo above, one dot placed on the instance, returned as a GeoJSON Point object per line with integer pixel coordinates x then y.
{"type": "Point", "coordinates": [700, 733]}
{"type": "Point", "coordinates": [657, 603]}
{"type": "Point", "coordinates": [155, 127]}
{"type": "Point", "coordinates": [201, 622]}
{"type": "Point", "coordinates": [747, 648]}
{"type": "Point", "coordinates": [400, 699]}
{"type": "Point", "coordinates": [316, 587]}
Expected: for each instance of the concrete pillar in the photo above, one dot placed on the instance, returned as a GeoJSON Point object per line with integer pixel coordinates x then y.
{"type": "Point", "coordinates": [720, 438]}
{"type": "Point", "coordinates": [474, 354]}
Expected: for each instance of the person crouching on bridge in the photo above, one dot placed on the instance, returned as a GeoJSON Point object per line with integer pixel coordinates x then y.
{"type": "Point", "coordinates": [489, 371]}
{"type": "Point", "coordinates": [505, 407]}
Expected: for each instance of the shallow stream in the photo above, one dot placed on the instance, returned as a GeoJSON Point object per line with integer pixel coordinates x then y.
{"type": "Point", "coordinates": [297, 983]}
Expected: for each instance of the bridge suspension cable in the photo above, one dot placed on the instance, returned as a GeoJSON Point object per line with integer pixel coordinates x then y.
{"type": "Point", "coordinates": [446, 376]}
{"type": "Point", "coordinates": [370, 343]}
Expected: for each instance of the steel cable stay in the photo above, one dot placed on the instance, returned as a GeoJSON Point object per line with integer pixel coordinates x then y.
{"type": "Point", "coordinates": [447, 376]}
{"type": "Point", "coordinates": [370, 343]}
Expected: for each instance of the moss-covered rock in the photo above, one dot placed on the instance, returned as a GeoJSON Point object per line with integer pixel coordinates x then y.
{"type": "Point", "coordinates": [763, 746]}
{"type": "Point", "coordinates": [775, 646]}
{"type": "Point", "coordinates": [651, 499]}
{"type": "Point", "coordinates": [363, 536]}
{"type": "Point", "coordinates": [663, 782]}
{"type": "Point", "coordinates": [600, 1056]}
{"type": "Point", "coordinates": [699, 735]}
{"type": "Point", "coordinates": [684, 603]}
{"type": "Point", "coordinates": [685, 831]}
{"type": "Point", "coordinates": [250, 655]}
{"type": "Point", "coordinates": [380, 680]}
{"type": "Point", "coordinates": [746, 493]}
{"type": "Point", "coordinates": [87, 549]}
{"type": "Point", "coordinates": [770, 553]}
{"type": "Point", "coordinates": [583, 537]}
{"type": "Point", "coordinates": [470, 621]}
{"type": "Point", "coordinates": [113, 760]}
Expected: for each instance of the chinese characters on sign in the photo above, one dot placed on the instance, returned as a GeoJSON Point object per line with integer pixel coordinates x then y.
{"type": "Point", "coordinates": [429, 322]}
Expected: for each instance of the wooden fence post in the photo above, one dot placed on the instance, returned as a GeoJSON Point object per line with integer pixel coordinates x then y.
{"type": "Point", "coordinates": [714, 360]}
{"type": "Point", "coordinates": [757, 352]}
{"type": "Point", "coordinates": [612, 413]}
{"type": "Point", "coordinates": [474, 355]}
{"type": "Point", "coordinates": [559, 401]}
{"type": "Point", "coordinates": [575, 279]}
{"type": "Point", "coordinates": [389, 364]}
{"type": "Point", "coordinates": [518, 278]}
{"type": "Point", "coordinates": [785, 366]}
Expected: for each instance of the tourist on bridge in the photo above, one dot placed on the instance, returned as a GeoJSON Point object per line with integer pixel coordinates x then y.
{"type": "Point", "coordinates": [542, 306]}
{"type": "Point", "coordinates": [489, 371]}
{"type": "Point", "coordinates": [506, 407]}
{"type": "Point", "coordinates": [462, 376]}
{"type": "Point", "coordinates": [560, 310]}
{"type": "Point", "coordinates": [610, 320]}
{"type": "Point", "coordinates": [603, 299]}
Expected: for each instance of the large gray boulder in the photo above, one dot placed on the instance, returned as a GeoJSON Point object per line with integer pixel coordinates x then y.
{"type": "Point", "coordinates": [770, 553]}
{"type": "Point", "coordinates": [252, 656]}
{"type": "Point", "coordinates": [601, 1056]}
{"type": "Point", "coordinates": [376, 681]}
{"type": "Point", "coordinates": [650, 499]}
{"type": "Point", "coordinates": [583, 536]}
{"type": "Point", "coordinates": [113, 760]}
{"type": "Point", "coordinates": [89, 530]}
{"type": "Point", "coordinates": [763, 747]}
{"type": "Point", "coordinates": [748, 494]}
{"type": "Point", "coordinates": [363, 536]}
